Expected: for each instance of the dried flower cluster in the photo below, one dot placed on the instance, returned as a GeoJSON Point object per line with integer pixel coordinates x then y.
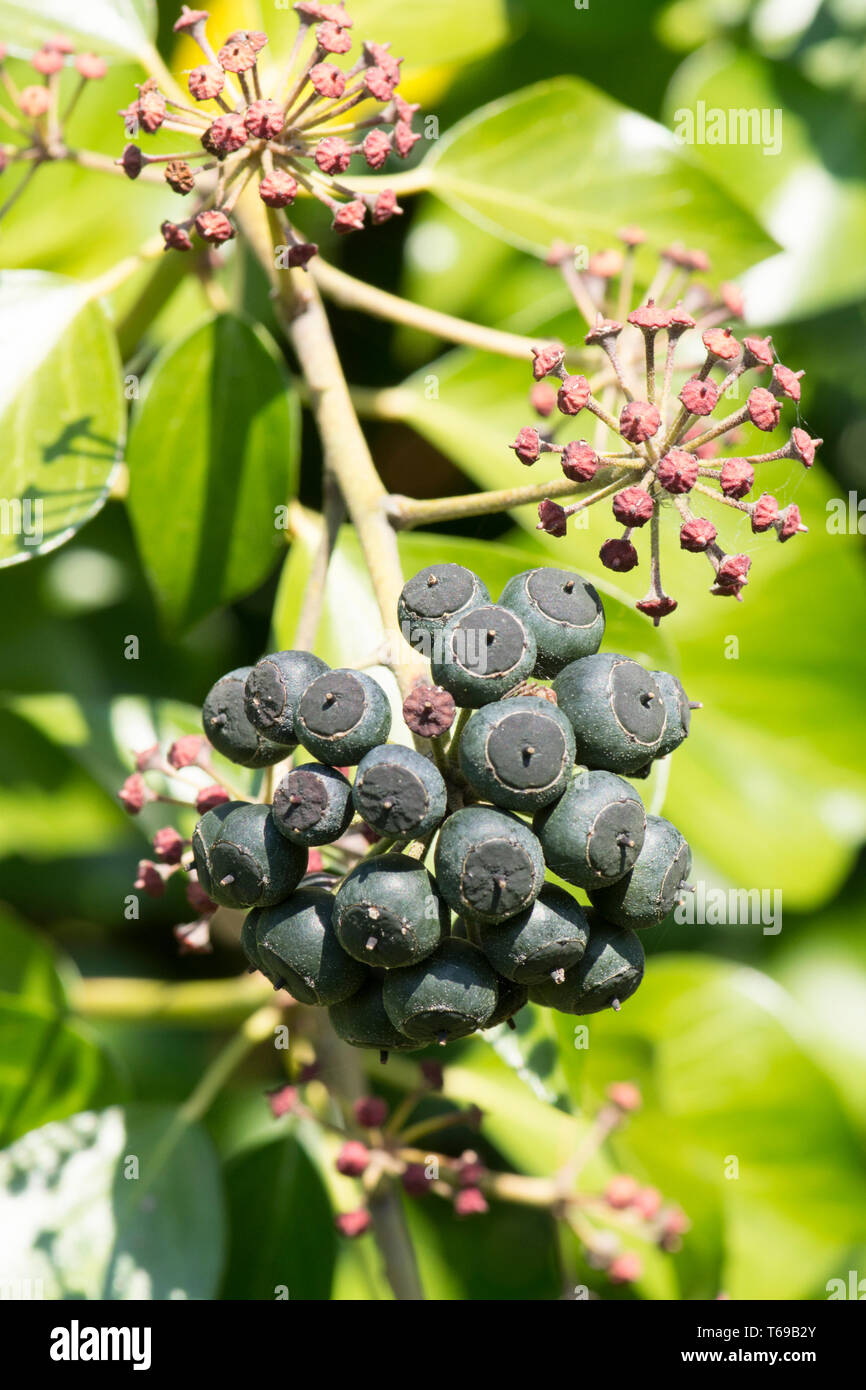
{"type": "Point", "coordinates": [669, 441]}
{"type": "Point", "coordinates": [37, 112]}
{"type": "Point", "coordinates": [300, 138]}
{"type": "Point", "coordinates": [378, 1148]}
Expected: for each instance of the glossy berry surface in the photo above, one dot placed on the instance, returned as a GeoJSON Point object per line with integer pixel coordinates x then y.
{"type": "Point", "coordinates": [483, 655]}
{"type": "Point", "coordinates": [361, 1021]}
{"type": "Point", "coordinates": [563, 612]}
{"type": "Point", "coordinates": [399, 792]}
{"type": "Point", "coordinates": [540, 943]}
{"type": "Point", "coordinates": [297, 943]}
{"type": "Point", "coordinates": [518, 753]}
{"type": "Point", "coordinates": [438, 594]}
{"type": "Point", "coordinates": [341, 716]}
{"type": "Point", "coordinates": [607, 974]}
{"type": "Point", "coordinates": [447, 996]}
{"type": "Point", "coordinates": [616, 710]}
{"type": "Point", "coordinates": [313, 804]}
{"type": "Point", "coordinates": [227, 727]}
{"type": "Point", "coordinates": [677, 709]}
{"type": "Point", "coordinates": [651, 890]}
{"type": "Point", "coordinates": [242, 859]}
{"type": "Point", "coordinates": [593, 835]}
{"type": "Point", "coordinates": [489, 865]}
{"type": "Point", "coordinates": [387, 912]}
{"type": "Point", "coordinates": [272, 691]}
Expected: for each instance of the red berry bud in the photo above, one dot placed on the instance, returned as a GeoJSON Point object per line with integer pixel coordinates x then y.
{"type": "Point", "coordinates": [580, 462]}
{"type": "Point", "coordinates": [542, 398]}
{"type": "Point", "coordinates": [209, 797]}
{"type": "Point", "coordinates": [736, 477]}
{"type": "Point", "coordinates": [785, 382]}
{"type": "Point", "coordinates": [404, 139]}
{"type": "Point", "coordinates": [621, 1191]}
{"type": "Point", "coordinates": [605, 264]}
{"type": "Point", "coordinates": [278, 189]}
{"type": "Point", "coordinates": [198, 899]}
{"type": "Point", "coordinates": [333, 154]}
{"type": "Point", "coordinates": [328, 80]}
{"type": "Point", "coordinates": [206, 82]}
{"type": "Point", "coordinates": [625, 1268]}
{"type": "Point", "coordinates": [333, 38]}
{"type": "Point", "coordinates": [371, 1112]}
{"type": "Point", "coordinates": [91, 67]}
{"type": "Point", "coordinates": [134, 794]}
{"type": "Point", "coordinates": [697, 534]}
{"type": "Point", "coordinates": [351, 1224]}
{"type": "Point", "coordinates": [789, 522]}
{"type": "Point", "coordinates": [377, 147]}
{"type": "Point", "coordinates": [552, 518]}
{"type": "Point", "coordinates": [264, 119]}
{"type": "Point", "coordinates": [732, 298]}
{"type": "Point", "coordinates": [633, 506]}
{"type": "Point", "coordinates": [350, 217]}
{"type": "Point", "coordinates": [168, 845]}
{"type": "Point", "coordinates": [149, 879]}
{"type": "Point", "coordinates": [470, 1201]}
{"type": "Point", "coordinates": [758, 352]}
{"type": "Point", "coordinates": [650, 318]}
{"type": "Point", "coordinates": [764, 409]}
{"type": "Point", "coordinates": [764, 512]}
{"type": "Point", "coordinates": [625, 1095]}
{"type": "Point", "coordinates": [385, 206]}
{"type": "Point", "coordinates": [353, 1159]}
{"type": "Point", "coordinates": [639, 421]}
{"type": "Point", "coordinates": [283, 1101]}
{"type": "Point", "coordinates": [188, 751]}
{"type": "Point", "coordinates": [236, 55]}
{"type": "Point", "coordinates": [34, 101]}
{"type": "Point", "coordinates": [700, 396]}
{"type": "Point", "coordinates": [573, 394]}
{"type": "Point", "coordinates": [429, 711]}
{"type": "Point", "coordinates": [678, 471]}
{"type": "Point", "coordinates": [527, 445]}
{"type": "Point", "coordinates": [227, 134]}
{"type": "Point", "coordinates": [801, 446]}
{"type": "Point", "coordinates": [548, 361]}
{"type": "Point", "coordinates": [657, 606]}
{"type": "Point", "coordinates": [415, 1181]}
{"type": "Point", "coordinates": [721, 344]}
{"type": "Point", "coordinates": [618, 555]}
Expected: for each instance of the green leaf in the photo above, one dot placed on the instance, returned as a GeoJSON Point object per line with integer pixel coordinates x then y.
{"type": "Point", "coordinates": [810, 192]}
{"type": "Point", "coordinates": [62, 412]}
{"type": "Point", "coordinates": [124, 27]}
{"type": "Point", "coordinates": [560, 159]}
{"type": "Point", "coordinates": [113, 1205]}
{"type": "Point", "coordinates": [727, 1069]}
{"type": "Point", "coordinates": [213, 458]}
{"type": "Point", "coordinates": [27, 968]}
{"type": "Point", "coordinates": [51, 1067]}
{"type": "Point", "coordinates": [281, 1226]}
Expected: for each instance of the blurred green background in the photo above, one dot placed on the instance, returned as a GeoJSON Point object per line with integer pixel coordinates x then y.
{"type": "Point", "coordinates": [746, 1044]}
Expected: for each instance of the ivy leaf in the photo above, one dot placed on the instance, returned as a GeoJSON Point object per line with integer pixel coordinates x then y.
{"type": "Point", "coordinates": [124, 27]}
{"type": "Point", "coordinates": [561, 160]}
{"type": "Point", "coordinates": [62, 411]}
{"type": "Point", "coordinates": [213, 458]}
{"type": "Point", "coordinates": [120, 1204]}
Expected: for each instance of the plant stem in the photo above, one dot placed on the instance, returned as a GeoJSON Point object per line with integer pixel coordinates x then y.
{"type": "Point", "coordinates": [255, 1030]}
{"type": "Point", "coordinates": [406, 512]}
{"type": "Point", "coordinates": [192, 1004]}
{"type": "Point", "coordinates": [350, 293]}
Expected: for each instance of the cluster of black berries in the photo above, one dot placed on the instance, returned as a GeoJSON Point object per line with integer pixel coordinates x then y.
{"type": "Point", "coordinates": [530, 779]}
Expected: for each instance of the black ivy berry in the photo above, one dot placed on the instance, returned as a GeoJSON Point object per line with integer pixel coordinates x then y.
{"type": "Point", "coordinates": [448, 995]}
{"type": "Point", "coordinates": [563, 612]}
{"type": "Point", "coordinates": [650, 890]}
{"type": "Point", "coordinates": [607, 974]}
{"type": "Point", "coordinates": [313, 804]}
{"type": "Point", "coordinates": [540, 943]}
{"type": "Point", "coordinates": [387, 911]}
{"type": "Point", "coordinates": [489, 865]}
{"type": "Point", "coordinates": [341, 716]}
{"type": "Point", "coordinates": [678, 710]}
{"type": "Point", "coordinates": [482, 655]}
{"type": "Point", "coordinates": [436, 595]}
{"type": "Point", "coordinates": [272, 691]}
{"type": "Point", "coordinates": [297, 943]}
{"type": "Point", "coordinates": [518, 753]}
{"type": "Point", "coordinates": [510, 999]}
{"type": "Point", "coordinates": [226, 725]}
{"type": "Point", "coordinates": [616, 710]}
{"type": "Point", "coordinates": [361, 1021]}
{"type": "Point", "coordinates": [593, 834]}
{"type": "Point", "coordinates": [249, 945]}
{"type": "Point", "coordinates": [241, 858]}
{"type": "Point", "coordinates": [399, 792]}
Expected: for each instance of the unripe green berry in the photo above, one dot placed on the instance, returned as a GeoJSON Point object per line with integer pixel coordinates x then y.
{"type": "Point", "coordinates": [608, 973]}
{"type": "Point", "coordinates": [361, 1021]}
{"type": "Point", "coordinates": [226, 725]}
{"type": "Point", "coordinates": [562, 610]}
{"type": "Point", "coordinates": [272, 691]}
{"type": "Point", "coordinates": [518, 753]}
{"type": "Point", "coordinates": [489, 865]}
{"type": "Point", "coordinates": [593, 835]}
{"type": "Point", "coordinates": [678, 710]}
{"type": "Point", "coordinates": [650, 890]}
{"type": "Point", "coordinates": [387, 911]}
{"type": "Point", "coordinates": [482, 655]}
{"type": "Point", "coordinates": [242, 859]}
{"type": "Point", "coordinates": [313, 804]}
{"type": "Point", "coordinates": [616, 710]}
{"type": "Point", "coordinates": [448, 995]}
{"type": "Point", "coordinates": [399, 792]}
{"type": "Point", "coordinates": [297, 944]}
{"type": "Point", "coordinates": [341, 716]}
{"type": "Point", "coordinates": [540, 943]}
{"type": "Point", "coordinates": [438, 594]}
{"type": "Point", "coordinates": [510, 999]}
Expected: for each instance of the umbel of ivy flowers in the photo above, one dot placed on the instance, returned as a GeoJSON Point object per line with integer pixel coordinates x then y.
{"type": "Point", "coordinates": [668, 430]}
{"type": "Point", "coordinates": [328, 111]}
